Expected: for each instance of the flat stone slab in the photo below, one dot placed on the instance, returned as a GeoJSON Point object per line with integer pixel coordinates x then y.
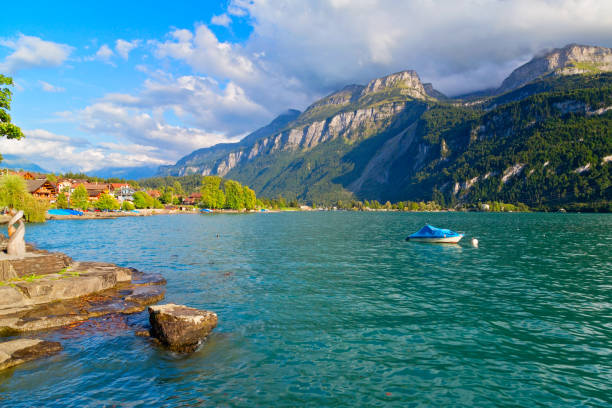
{"type": "Point", "coordinates": [80, 279]}
{"type": "Point", "coordinates": [45, 290]}
{"type": "Point", "coordinates": [36, 262]}
{"type": "Point", "coordinates": [122, 299]}
{"type": "Point", "coordinates": [19, 351]}
{"type": "Point", "coordinates": [180, 328]}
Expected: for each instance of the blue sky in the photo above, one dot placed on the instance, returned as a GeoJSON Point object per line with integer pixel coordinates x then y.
{"type": "Point", "coordinates": [127, 84]}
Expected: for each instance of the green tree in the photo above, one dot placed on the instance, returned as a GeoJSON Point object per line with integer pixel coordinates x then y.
{"type": "Point", "coordinates": [107, 202]}
{"type": "Point", "coordinates": [79, 198]}
{"type": "Point", "coordinates": [127, 206]}
{"type": "Point", "coordinates": [12, 191]}
{"type": "Point", "coordinates": [62, 201]}
{"type": "Point", "coordinates": [7, 129]}
{"type": "Point", "coordinates": [250, 199]}
{"type": "Point", "coordinates": [34, 209]}
{"type": "Point", "coordinates": [234, 197]}
{"type": "Point", "coordinates": [143, 200]}
{"type": "Point", "coordinates": [14, 194]}
{"type": "Point", "coordinates": [212, 195]}
{"type": "Point", "coordinates": [167, 195]}
{"type": "Point", "coordinates": [178, 188]}
{"type": "Point", "coordinates": [157, 204]}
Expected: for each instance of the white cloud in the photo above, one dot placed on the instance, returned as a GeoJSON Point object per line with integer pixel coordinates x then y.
{"type": "Point", "coordinates": [248, 74]}
{"type": "Point", "coordinates": [325, 44]}
{"type": "Point", "coordinates": [62, 153]}
{"type": "Point", "coordinates": [139, 127]}
{"type": "Point", "coordinates": [203, 51]}
{"type": "Point", "coordinates": [104, 53]}
{"type": "Point", "coordinates": [199, 101]}
{"type": "Point", "coordinates": [47, 87]}
{"type": "Point", "coordinates": [124, 47]}
{"type": "Point", "coordinates": [32, 52]}
{"type": "Point", "coordinates": [221, 20]}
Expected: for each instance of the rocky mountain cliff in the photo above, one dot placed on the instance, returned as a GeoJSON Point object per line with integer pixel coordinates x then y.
{"type": "Point", "coordinates": [569, 60]}
{"type": "Point", "coordinates": [396, 138]}
{"type": "Point", "coordinates": [346, 113]}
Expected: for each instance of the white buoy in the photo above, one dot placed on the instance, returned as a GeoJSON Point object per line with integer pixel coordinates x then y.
{"type": "Point", "coordinates": [474, 242]}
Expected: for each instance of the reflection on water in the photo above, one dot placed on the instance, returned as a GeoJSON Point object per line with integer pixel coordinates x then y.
{"type": "Point", "coordinates": [326, 309]}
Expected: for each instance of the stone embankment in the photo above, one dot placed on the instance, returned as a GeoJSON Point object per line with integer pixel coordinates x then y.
{"type": "Point", "coordinates": [46, 290]}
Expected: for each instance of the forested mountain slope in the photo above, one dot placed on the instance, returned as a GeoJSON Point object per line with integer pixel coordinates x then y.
{"type": "Point", "coordinates": [547, 141]}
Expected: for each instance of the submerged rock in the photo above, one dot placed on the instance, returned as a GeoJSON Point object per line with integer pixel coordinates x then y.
{"type": "Point", "coordinates": [19, 351]}
{"type": "Point", "coordinates": [181, 328]}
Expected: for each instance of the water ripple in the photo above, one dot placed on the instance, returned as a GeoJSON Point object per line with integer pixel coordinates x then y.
{"type": "Point", "coordinates": [335, 309]}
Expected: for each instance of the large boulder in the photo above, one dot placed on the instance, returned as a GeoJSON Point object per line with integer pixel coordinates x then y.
{"type": "Point", "coordinates": [180, 328]}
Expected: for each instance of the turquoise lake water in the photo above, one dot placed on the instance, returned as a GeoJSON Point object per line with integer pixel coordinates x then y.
{"type": "Point", "coordinates": [336, 309]}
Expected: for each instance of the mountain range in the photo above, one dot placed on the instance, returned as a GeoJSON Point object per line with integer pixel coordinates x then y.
{"type": "Point", "coordinates": [13, 162]}
{"type": "Point", "coordinates": [544, 137]}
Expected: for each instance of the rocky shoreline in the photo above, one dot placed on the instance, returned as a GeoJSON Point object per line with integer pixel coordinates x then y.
{"type": "Point", "coordinates": [48, 290]}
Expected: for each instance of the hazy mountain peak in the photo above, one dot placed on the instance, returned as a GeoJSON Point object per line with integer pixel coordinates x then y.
{"type": "Point", "coordinates": [569, 60]}
{"type": "Point", "coordinates": [434, 93]}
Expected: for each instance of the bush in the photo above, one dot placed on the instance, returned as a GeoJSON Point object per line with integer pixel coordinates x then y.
{"type": "Point", "coordinates": [107, 202]}
{"type": "Point", "coordinates": [127, 206]}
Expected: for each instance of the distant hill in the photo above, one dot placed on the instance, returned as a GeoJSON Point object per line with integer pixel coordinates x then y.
{"type": "Point", "coordinates": [544, 137]}
{"type": "Point", "coordinates": [11, 161]}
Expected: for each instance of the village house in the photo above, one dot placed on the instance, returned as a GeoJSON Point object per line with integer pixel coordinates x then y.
{"type": "Point", "coordinates": [95, 190]}
{"type": "Point", "coordinates": [42, 188]}
{"type": "Point", "coordinates": [122, 191]}
{"type": "Point", "coordinates": [193, 199]}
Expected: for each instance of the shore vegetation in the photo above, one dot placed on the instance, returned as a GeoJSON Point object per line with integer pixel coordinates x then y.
{"type": "Point", "coordinates": [14, 194]}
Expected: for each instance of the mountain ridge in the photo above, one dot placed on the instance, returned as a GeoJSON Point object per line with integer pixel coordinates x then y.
{"type": "Point", "coordinates": [375, 140]}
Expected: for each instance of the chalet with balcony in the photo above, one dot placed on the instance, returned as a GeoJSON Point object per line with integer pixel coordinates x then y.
{"type": "Point", "coordinates": [42, 188]}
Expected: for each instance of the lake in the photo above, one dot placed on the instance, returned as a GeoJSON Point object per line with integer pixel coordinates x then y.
{"type": "Point", "coordinates": [336, 309]}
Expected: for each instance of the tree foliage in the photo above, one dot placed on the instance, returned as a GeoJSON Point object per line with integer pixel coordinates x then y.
{"type": "Point", "coordinates": [12, 190]}
{"type": "Point", "coordinates": [127, 206]}
{"type": "Point", "coordinates": [234, 196]}
{"type": "Point", "coordinates": [14, 194]}
{"type": "Point", "coordinates": [212, 195]}
{"type": "Point", "coordinates": [7, 129]}
{"type": "Point", "coordinates": [143, 200]}
{"type": "Point", "coordinates": [79, 199]}
{"type": "Point", "coordinates": [62, 201]}
{"type": "Point", "coordinates": [107, 202]}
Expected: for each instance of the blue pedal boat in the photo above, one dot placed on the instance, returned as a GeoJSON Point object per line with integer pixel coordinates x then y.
{"type": "Point", "coordinates": [432, 234]}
